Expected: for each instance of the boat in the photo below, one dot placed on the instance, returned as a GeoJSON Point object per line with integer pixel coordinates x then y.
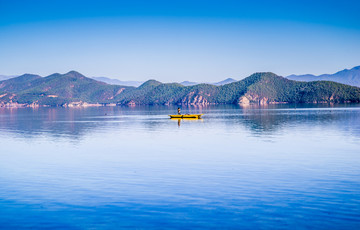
{"type": "Point", "coordinates": [196, 116]}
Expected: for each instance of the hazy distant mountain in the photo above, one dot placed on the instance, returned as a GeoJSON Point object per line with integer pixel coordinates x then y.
{"type": "Point", "coordinates": [224, 82]}
{"type": "Point", "coordinates": [5, 77]}
{"type": "Point", "coordinates": [189, 83]}
{"type": "Point", "coordinates": [259, 88]}
{"type": "Point", "coordinates": [138, 83]}
{"type": "Point", "coordinates": [118, 82]}
{"type": "Point", "coordinates": [346, 76]}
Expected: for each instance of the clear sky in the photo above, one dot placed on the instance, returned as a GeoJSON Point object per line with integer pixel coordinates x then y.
{"type": "Point", "coordinates": [176, 40]}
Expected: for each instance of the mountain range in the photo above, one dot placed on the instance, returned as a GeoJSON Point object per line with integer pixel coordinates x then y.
{"type": "Point", "coordinates": [73, 88]}
{"type": "Point", "coordinates": [346, 76]}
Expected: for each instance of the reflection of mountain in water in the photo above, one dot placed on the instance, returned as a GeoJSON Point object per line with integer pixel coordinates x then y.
{"type": "Point", "coordinates": [75, 123]}
{"type": "Point", "coordinates": [263, 120]}
{"type": "Point", "coordinates": [59, 122]}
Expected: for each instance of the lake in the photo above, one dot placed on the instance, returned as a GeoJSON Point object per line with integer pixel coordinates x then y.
{"type": "Point", "coordinates": [273, 167]}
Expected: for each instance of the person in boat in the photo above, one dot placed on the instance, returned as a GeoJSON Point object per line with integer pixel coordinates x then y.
{"type": "Point", "coordinates": [179, 111]}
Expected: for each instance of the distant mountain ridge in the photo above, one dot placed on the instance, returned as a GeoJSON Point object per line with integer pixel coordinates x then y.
{"type": "Point", "coordinates": [138, 83]}
{"type": "Point", "coordinates": [74, 89]}
{"type": "Point", "coordinates": [6, 77]}
{"type": "Point", "coordinates": [189, 83]}
{"type": "Point", "coordinates": [346, 76]}
{"type": "Point", "coordinates": [224, 82]}
{"type": "Point", "coordinates": [118, 82]}
{"type": "Point", "coordinates": [113, 81]}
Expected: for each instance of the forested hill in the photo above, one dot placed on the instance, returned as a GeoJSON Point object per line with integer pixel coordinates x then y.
{"type": "Point", "coordinates": [56, 90]}
{"type": "Point", "coordinates": [259, 88]}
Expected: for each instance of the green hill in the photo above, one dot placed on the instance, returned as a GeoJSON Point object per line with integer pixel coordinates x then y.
{"type": "Point", "coordinates": [18, 84]}
{"type": "Point", "coordinates": [59, 89]}
{"type": "Point", "coordinates": [271, 88]}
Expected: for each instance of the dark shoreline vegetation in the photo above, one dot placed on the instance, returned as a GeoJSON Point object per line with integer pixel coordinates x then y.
{"type": "Point", "coordinates": [74, 89]}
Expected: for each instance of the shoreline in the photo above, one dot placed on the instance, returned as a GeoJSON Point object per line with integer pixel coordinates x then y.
{"type": "Point", "coordinates": [85, 104]}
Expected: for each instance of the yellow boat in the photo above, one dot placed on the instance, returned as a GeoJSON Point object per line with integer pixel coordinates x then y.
{"type": "Point", "coordinates": [196, 116]}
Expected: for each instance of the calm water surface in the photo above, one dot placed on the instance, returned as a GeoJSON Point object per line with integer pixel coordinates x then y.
{"type": "Point", "coordinates": [276, 167]}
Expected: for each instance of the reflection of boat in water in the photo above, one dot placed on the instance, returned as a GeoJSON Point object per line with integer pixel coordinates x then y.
{"type": "Point", "coordinates": [186, 116]}
{"type": "Point", "coordinates": [186, 119]}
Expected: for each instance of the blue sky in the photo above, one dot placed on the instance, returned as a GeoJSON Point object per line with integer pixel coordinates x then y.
{"type": "Point", "coordinates": [179, 39]}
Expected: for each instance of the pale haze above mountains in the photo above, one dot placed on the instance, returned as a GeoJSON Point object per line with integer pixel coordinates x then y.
{"type": "Point", "coordinates": [346, 76]}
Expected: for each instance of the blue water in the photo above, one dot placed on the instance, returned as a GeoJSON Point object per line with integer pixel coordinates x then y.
{"type": "Point", "coordinates": [275, 167]}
